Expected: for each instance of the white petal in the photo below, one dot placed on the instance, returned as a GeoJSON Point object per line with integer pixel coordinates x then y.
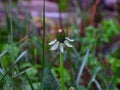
{"type": "Point", "coordinates": [55, 46]}
{"type": "Point", "coordinates": [71, 40]}
{"type": "Point", "coordinates": [61, 47]}
{"type": "Point", "coordinates": [67, 43]}
{"type": "Point", "coordinates": [52, 42]}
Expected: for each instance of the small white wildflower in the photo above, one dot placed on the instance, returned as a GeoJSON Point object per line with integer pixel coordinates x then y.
{"type": "Point", "coordinates": [71, 88]}
{"type": "Point", "coordinates": [60, 41]}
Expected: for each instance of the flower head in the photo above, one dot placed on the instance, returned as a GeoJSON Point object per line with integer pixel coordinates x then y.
{"type": "Point", "coordinates": [60, 41]}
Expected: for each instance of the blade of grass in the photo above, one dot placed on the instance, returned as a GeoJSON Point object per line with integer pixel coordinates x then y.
{"type": "Point", "coordinates": [112, 82]}
{"type": "Point", "coordinates": [76, 53]}
{"type": "Point", "coordinates": [11, 28]}
{"type": "Point", "coordinates": [93, 77]}
{"type": "Point", "coordinates": [82, 67]}
{"type": "Point", "coordinates": [43, 58]}
{"type": "Point", "coordinates": [26, 70]}
{"type": "Point", "coordinates": [98, 85]}
{"type": "Point", "coordinates": [29, 82]}
{"type": "Point", "coordinates": [3, 53]}
{"type": "Point", "coordinates": [1, 71]}
{"type": "Point", "coordinates": [16, 61]}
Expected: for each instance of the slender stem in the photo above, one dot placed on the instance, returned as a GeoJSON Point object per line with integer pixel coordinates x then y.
{"type": "Point", "coordinates": [61, 72]}
{"type": "Point", "coordinates": [60, 19]}
{"type": "Point", "coordinates": [43, 58]}
{"type": "Point", "coordinates": [11, 28]}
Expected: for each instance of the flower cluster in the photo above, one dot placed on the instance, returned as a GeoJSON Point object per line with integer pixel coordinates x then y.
{"type": "Point", "coordinates": [60, 41]}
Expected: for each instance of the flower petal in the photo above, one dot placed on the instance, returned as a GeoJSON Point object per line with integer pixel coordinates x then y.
{"type": "Point", "coordinates": [67, 43]}
{"type": "Point", "coordinates": [52, 42]}
{"type": "Point", "coordinates": [71, 40]}
{"type": "Point", "coordinates": [61, 47]}
{"type": "Point", "coordinates": [55, 46]}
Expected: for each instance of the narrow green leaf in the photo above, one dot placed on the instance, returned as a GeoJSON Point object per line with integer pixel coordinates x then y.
{"type": "Point", "coordinates": [82, 67]}
{"type": "Point", "coordinates": [3, 53]}
{"type": "Point", "coordinates": [93, 77]}
{"type": "Point", "coordinates": [16, 61]}
{"type": "Point", "coordinates": [98, 85]}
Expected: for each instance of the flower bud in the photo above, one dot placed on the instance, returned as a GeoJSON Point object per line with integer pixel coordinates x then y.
{"type": "Point", "coordinates": [60, 36]}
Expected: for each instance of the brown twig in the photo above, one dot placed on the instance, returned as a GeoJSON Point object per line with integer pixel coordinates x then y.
{"type": "Point", "coordinates": [93, 12]}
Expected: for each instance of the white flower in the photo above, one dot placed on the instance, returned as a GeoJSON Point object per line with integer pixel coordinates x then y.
{"type": "Point", "coordinates": [57, 44]}
{"type": "Point", "coordinates": [60, 41]}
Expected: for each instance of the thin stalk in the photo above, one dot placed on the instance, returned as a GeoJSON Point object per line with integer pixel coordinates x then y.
{"type": "Point", "coordinates": [43, 58]}
{"type": "Point", "coordinates": [61, 72]}
{"type": "Point", "coordinates": [60, 19]}
{"type": "Point", "coordinates": [82, 67]}
{"type": "Point", "coordinates": [11, 28]}
{"type": "Point", "coordinates": [112, 82]}
{"type": "Point", "coordinates": [31, 85]}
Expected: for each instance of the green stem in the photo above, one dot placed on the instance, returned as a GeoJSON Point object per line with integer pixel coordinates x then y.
{"type": "Point", "coordinates": [61, 72]}
{"type": "Point", "coordinates": [11, 28]}
{"type": "Point", "coordinates": [43, 58]}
